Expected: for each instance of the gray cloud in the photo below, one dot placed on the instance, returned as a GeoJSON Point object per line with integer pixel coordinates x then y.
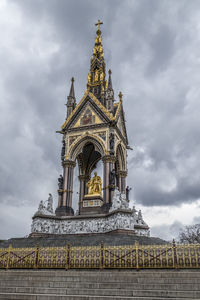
{"type": "Point", "coordinates": [152, 48]}
{"type": "Point", "coordinates": [168, 232]}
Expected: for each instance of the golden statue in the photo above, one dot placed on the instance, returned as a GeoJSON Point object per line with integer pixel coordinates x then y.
{"type": "Point", "coordinates": [101, 76]}
{"type": "Point", "coordinates": [89, 78]}
{"type": "Point", "coordinates": [94, 185]}
{"type": "Point", "coordinates": [96, 76]}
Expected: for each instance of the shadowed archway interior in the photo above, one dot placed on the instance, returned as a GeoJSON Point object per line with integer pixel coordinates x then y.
{"type": "Point", "coordinates": [89, 158]}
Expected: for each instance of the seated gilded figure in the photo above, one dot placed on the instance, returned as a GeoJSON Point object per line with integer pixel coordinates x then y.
{"type": "Point", "coordinates": [94, 185]}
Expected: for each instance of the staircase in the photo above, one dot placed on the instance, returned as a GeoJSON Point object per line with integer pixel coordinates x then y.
{"type": "Point", "coordinates": [99, 284]}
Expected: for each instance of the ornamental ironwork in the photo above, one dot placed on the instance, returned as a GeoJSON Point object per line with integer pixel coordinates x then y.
{"type": "Point", "coordinates": [136, 256]}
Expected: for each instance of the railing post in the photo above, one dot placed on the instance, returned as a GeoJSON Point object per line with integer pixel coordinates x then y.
{"type": "Point", "coordinates": [8, 260]}
{"type": "Point", "coordinates": [68, 257]}
{"type": "Point", "coordinates": [174, 254]}
{"type": "Point", "coordinates": [36, 256]}
{"type": "Point", "coordinates": [137, 254]}
{"type": "Point", "coordinates": [102, 256]}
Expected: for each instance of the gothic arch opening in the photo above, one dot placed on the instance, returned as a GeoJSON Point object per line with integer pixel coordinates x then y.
{"type": "Point", "coordinates": [120, 159]}
{"type": "Point", "coordinates": [78, 147]}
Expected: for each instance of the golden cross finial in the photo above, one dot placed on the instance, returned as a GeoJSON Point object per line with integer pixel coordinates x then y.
{"type": "Point", "coordinates": [98, 24]}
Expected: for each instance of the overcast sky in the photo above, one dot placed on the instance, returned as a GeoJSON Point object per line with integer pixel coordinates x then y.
{"type": "Point", "coordinates": [153, 49]}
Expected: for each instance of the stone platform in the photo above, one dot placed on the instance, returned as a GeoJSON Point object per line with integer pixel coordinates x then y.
{"type": "Point", "coordinates": [113, 239]}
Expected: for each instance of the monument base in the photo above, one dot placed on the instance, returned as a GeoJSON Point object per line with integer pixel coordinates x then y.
{"type": "Point", "coordinates": [119, 220]}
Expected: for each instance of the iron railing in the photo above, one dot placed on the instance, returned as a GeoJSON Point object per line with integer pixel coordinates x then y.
{"type": "Point", "coordinates": [102, 257]}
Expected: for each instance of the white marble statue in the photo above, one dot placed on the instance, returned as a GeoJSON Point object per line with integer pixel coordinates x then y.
{"type": "Point", "coordinates": [45, 209]}
{"type": "Point", "coordinates": [50, 203]}
{"type": "Point", "coordinates": [119, 201]}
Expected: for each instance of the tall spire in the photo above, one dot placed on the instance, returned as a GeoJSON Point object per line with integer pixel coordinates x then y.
{"type": "Point", "coordinates": [71, 100]}
{"type": "Point", "coordinates": [109, 95]}
{"type": "Point", "coordinates": [109, 80]}
{"type": "Point", "coordinates": [72, 93]}
{"type": "Point", "coordinates": [96, 77]}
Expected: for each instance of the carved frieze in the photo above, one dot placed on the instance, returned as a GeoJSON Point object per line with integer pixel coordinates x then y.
{"type": "Point", "coordinates": [114, 221]}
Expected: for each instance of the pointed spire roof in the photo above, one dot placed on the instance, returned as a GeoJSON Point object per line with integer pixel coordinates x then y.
{"type": "Point", "coordinates": [72, 93]}
{"type": "Point", "coordinates": [109, 80]}
{"type": "Point", "coordinates": [71, 100]}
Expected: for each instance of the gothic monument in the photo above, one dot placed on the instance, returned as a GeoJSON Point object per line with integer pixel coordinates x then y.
{"type": "Point", "coordinates": [94, 130]}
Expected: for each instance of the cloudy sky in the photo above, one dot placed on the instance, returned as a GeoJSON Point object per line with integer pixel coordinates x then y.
{"type": "Point", "coordinates": [153, 49]}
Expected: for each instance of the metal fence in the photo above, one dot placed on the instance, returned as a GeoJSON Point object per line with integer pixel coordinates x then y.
{"type": "Point", "coordinates": [102, 257]}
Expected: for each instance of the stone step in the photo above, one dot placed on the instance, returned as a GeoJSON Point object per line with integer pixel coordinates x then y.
{"type": "Point", "coordinates": [111, 279]}
{"type": "Point", "coordinates": [129, 273]}
{"type": "Point", "coordinates": [103, 292]}
{"type": "Point", "coordinates": [23, 296]}
{"type": "Point", "coordinates": [95, 285]}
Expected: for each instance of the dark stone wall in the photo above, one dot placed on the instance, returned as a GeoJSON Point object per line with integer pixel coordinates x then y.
{"type": "Point", "coordinates": [83, 240]}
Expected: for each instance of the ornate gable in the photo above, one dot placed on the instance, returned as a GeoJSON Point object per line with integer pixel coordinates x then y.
{"type": "Point", "coordinates": [87, 116]}
{"type": "Point", "coordinates": [88, 112]}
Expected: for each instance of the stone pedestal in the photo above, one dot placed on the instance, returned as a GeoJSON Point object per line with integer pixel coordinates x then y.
{"type": "Point", "coordinates": [91, 204]}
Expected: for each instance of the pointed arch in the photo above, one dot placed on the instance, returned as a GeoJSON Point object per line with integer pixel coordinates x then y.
{"type": "Point", "coordinates": [120, 159]}
{"type": "Point", "coordinates": [78, 145]}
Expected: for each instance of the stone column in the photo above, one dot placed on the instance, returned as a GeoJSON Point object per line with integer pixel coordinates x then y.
{"type": "Point", "coordinates": [83, 189]}
{"type": "Point", "coordinates": [122, 181]}
{"type": "Point", "coordinates": [68, 182]}
{"type": "Point", "coordinates": [65, 201]}
{"type": "Point", "coordinates": [108, 165]}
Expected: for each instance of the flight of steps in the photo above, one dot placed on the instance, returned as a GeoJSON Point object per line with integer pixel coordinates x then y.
{"type": "Point", "coordinates": [99, 284]}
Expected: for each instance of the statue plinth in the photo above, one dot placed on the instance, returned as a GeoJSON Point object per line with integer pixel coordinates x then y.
{"type": "Point", "coordinates": [91, 204]}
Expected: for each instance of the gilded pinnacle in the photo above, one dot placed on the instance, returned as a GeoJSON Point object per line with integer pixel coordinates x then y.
{"type": "Point", "coordinates": [120, 96]}
{"type": "Point", "coordinates": [96, 78]}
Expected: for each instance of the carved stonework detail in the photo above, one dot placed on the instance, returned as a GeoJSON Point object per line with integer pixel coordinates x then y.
{"type": "Point", "coordinates": [114, 221]}
{"type": "Point", "coordinates": [109, 158]}
{"type": "Point", "coordinates": [72, 139]}
{"type": "Point", "coordinates": [122, 173]}
{"type": "Point", "coordinates": [102, 135]}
